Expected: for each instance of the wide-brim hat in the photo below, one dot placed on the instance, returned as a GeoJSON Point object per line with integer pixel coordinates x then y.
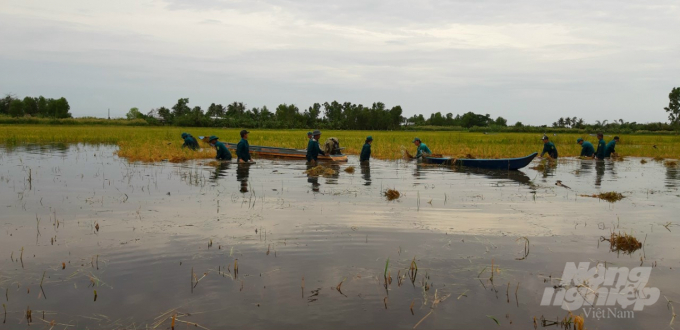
{"type": "Point", "coordinates": [316, 132]}
{"type": "Point", "coordinates": [212, 137]}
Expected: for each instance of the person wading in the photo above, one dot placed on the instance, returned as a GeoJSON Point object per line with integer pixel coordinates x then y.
{"type": "Point", "coordinates": [243, 148]}
{"type": "Point", "coordinates": [222, 151]}
{"type": "Point", "coordinates": [600, 146]}
{"type": "Point", "coordinates": [587, 149]}
{"type": "Point", "coordinates": [366, 150]}
{"type": "Point", "coordinates": [189, 141]}
{"type": "Point", "coordinates": [313, 148]}
{"type": "Point", "coordinates": [549, 148]}
{"type": "Point", "coordinates": [610, 150]}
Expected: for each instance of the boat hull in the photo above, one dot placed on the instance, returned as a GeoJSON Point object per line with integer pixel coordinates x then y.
{"type": "Point", "coordinates": [492, 164]}
{"type": "Point", "coordinates": [275, 152]}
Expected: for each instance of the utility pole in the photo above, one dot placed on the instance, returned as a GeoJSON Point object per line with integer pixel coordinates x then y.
{"type": "Point", "coordinates": [109, 113]}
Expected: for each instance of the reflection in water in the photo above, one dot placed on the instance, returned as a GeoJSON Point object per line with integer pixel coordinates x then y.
{"type": "Point", "coordinates": [333, 179]}
{"type": "Point", "coordinates": [499, 175]}
{"type": "Point", "coordinates": [220, 170]}
{"type": "Point", "coordinates": [672, 176]}
{"type": "Point", "coordinates": [313, 179]}
{"type": "Point", "coordinates": [599, 172]}
{"type": "Point", "coordinates": [586, 166]}
{"type": "Point", "coordinates": [242, 173]}
{"type": "Point", "coordinates": [366, 173]}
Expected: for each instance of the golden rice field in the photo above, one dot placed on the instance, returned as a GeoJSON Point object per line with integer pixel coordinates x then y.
{"type": "Point", "coordinates": [152, 144]}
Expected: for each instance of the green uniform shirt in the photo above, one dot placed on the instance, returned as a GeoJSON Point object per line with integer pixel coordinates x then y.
{"type": "Point", "coordinates": [365, 153]}
{"type": "Point", "coordinates": [191, 143]}
{"type": "Point", "coordinates": [587, 149]}
{"type": "Point", "coordinates": [222, 151]}
{"type": "Point", "coordinates": [243, 150]}
{"type": "Point", "coordinates": [600, 149]}
{"type": "Point", "coordinates": [313, 150]}
{"type": "Point", "coordinates": [610, 148]}
{"type": "Point", "coordinates": [423, 150]}
{"type": "Point", "coordinates": [550, 149]}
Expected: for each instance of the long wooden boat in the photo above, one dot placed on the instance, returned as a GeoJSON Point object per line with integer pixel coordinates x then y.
{"type": "Point", "coordinates": [492, 164]}
{"type": "Point", "coordinates": [287, 153]}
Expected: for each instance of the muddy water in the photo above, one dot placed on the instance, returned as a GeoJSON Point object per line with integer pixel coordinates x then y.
{"type": "Point", "coordinates": [135, 233]}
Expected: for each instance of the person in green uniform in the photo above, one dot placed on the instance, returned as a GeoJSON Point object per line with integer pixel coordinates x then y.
{"type": "Point", "coordinates": [366, 150]}
{"type": "Point", "coordinates": [587, 149]}
{"type": "Point", "coordinates": [422, 149]}
{"type": "Point", "coordinates": [222, 151]}
{"type": "Point", "coordinates": [189, 141]}
{"type": "Point", "coordinates": [549, 148]}
{"type": "Point", "coordinates": [611, 148]}
{"type": "Point", "coordinates": [243, 148]}
{"type": "Point", "coordinates": [600, 146]}
{"type": "Point", "coordinates": [313, 148]}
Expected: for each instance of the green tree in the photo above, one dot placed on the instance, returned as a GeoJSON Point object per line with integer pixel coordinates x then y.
{"type": "Point", "coordinates": [673, 107]}
{"type": "Point", "coordinates": [500, 121]}
{"type": "Point", "coordinates": [134, 114]}
{"type": "Point", "coordinates": [59, 108]}
{"type": "Point", "coordinates": [181, 108]}
{"type": "Point", "coordinates": [16, 108]}
{"type": "Point", "coordinates": [30, 106]}
{"type": "Point", "coordinates": [5, 102]}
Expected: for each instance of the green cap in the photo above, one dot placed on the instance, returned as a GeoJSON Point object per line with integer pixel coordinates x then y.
{"type": "Point", "coordinates": [309, 133]}
{"type": "Point", "coordinates": [184, 135]}
{"type": "Point", "coordinates": [369, 138]}
{"type": "Point", "coordinates": [416, 139]}
{"type": "Point", "coordinates": [212, 137]}
{"type": "Point", "coordinates": [579, 140]}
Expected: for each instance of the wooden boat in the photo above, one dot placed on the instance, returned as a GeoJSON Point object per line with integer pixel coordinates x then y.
{"type": "Point", "coordinates": [287, 153]}
{"type": "Point", "coordinates": [492, 164]}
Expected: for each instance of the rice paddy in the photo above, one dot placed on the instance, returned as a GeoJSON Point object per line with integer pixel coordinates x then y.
{"type": "Point", "coordinates": [92, 239]}
{"type": "Point", "coordinates": [152, 144]}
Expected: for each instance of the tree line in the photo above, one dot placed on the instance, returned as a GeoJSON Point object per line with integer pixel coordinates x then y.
{"type": "Point", "coordinates": [328, 115]}
{"type": "Point", "coordinates": [333, 115]}
{"type": "Point", "coordinates": [35, 107]}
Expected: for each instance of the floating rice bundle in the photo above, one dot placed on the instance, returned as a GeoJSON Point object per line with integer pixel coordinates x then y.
{"type": "Point", "coordinates": [349, 169]}
{"type": "Point", "coordinates": [320, 170]}
{"type": "Point", "coordinates": [611, 196]}
{"type": "Point", "coordinates": [622, 242]}
{"type": "Point", "coordinates": [392, 194]}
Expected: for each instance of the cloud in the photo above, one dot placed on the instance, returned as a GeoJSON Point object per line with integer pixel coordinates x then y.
{"type": "Point", "coordinates": [526, 60]}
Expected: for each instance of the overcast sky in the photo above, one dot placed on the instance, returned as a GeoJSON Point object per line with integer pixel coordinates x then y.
{"type": "Point", "coordinates": [527, 60]}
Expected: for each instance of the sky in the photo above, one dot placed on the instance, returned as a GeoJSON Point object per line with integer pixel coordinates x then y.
{"type": "Point", "coordinates": [526, 60]}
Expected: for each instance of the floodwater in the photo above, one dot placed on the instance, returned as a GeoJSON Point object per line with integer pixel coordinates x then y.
{"type": "Point", "coordinates": [131, 245]}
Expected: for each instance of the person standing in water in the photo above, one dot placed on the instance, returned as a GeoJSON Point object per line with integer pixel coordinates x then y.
{"type": "Point", "coordinates": [243, 148]}
{"type": "Point", "coordinates": [587, 149]}
{"type": "Point", "coordinates": [610, 150]}
{"type": "Point", "coordinates": [366, 150]}
{"type": "Point", "coordinates": [600, 146]}
{"type": "Point", "coordinates": [313, 148]}
{"type": "Point", "coordinates": [222, 151]}
{"type": "Point", "coordinates": [549, 148]}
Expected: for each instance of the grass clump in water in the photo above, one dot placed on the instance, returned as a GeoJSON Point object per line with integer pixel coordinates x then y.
{"type": "Point", "coordinates": [320, 170]}
{"type": "Point", "coordinates": [658, 159]}
{"type": "Point", "coordinates": [349, 169]}
{"type": "Point", "coordinates": [642, 161]}
{"type": "Point", "coordinates": [622, 242]}
{"type": "Point", "coordinates": [670, 163]}
{"type": "Point", "coordinates": [611, 196]}
{"type": "Point", "coordinates": [392, 194]}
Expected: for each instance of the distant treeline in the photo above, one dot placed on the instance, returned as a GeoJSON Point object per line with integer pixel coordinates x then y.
{"type": "Point", "coordinates": [333, 115]}
{"type": "Point", "coordinates": [35, 107]}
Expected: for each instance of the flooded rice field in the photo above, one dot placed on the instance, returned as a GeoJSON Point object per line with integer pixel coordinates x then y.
{"type": "Point", "coordinates": [89, 240]}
